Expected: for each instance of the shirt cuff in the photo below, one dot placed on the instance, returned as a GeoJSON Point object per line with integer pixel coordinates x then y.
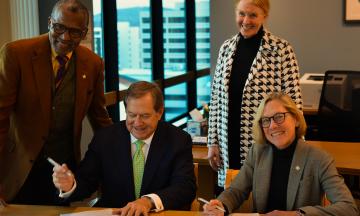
{"type": "Point", "coordinates": [157, 202]}
{"type": "Point", "coordinates": [67, 194]}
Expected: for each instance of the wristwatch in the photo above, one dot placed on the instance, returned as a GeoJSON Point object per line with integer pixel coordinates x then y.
{"type": "Point", "coordinates": [300, 212]}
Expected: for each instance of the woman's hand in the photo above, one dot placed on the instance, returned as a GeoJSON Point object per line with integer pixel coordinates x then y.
{"type": "Point", "coordinates": [211, 210]}
{"type": "Point", "coordinates": [214, 157]}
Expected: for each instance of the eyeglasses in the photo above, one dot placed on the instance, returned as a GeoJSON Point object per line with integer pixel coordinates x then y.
{"type": "Point", "coordinates": [278, 118]}
{"type": "Point", "coordinates": [73, 32]}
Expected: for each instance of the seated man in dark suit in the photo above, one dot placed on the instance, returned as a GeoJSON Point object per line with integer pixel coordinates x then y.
{"type": "Point", "coordinates": [158, 177]}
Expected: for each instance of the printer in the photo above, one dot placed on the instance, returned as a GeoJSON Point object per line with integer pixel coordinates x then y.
{"type": "Point", "coordinates": [311, 86]}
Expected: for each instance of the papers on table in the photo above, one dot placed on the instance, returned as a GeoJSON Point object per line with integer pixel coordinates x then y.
{"type": "Point", "coordinates": [103, 212]}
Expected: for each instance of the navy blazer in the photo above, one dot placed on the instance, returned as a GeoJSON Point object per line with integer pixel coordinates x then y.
{"type": "Point", "coordinates": [169, 171]}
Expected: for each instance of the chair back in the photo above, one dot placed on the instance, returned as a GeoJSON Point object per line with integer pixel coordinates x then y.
{"type": "Point", "coordinates": [339, 108]}
{"type": "Point", "coordinates": [230, 176]}
{"type": "Point", "coordinates": [246, 206]}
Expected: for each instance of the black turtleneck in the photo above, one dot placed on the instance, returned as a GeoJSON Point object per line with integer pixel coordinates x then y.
{"type": "Point", "coordinates": [245, 54]}
{"type": "Point", "coordinates": [282, 159]}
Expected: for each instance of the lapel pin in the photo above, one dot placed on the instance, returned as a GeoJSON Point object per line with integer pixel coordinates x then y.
{"type": "Point", "coordinates": [297, 168]}
{"type": "Point", "coordinates": [84, 76]}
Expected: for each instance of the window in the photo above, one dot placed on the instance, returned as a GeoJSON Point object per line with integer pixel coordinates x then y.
{"type": "Point", "coordinates": [177, 50]}
{"type": "Point", "coordinates": [147, 50]}
{"type": "Point", "coordinates": [201, 30]}
{"type": "Point", "coordinates": [98, 33]}
{"type": "Point", "coordinates": [176, 30]}
{"type": "Point", "coordinates": [134, 37]}
{"type": "Point", "coordinates": [177, 40]}
{"type": "Point", "coordinates": [176, 19]}
{"type": "Point", "coordinates": [202, 19]}
{"type": "Point", "coordinates": [202, 40]}
{"type": "Point", "coordinates": [203, 50]}
{"type": "Point", "coordinates": [175, 101]}
{"type": "Point", "coordinates": [138, 50]}
{"type": "Point", "coordinates": [202, 13]}
{"type": "Point", "coordinates": [175, 59]}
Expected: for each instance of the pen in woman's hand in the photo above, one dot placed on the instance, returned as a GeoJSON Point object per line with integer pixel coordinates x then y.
{"type": "Point", "coordinates": [207, 202]}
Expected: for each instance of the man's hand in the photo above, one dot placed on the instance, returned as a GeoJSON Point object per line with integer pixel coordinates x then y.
{"type": "Point", "coordinates": [136, 208]}
{"type": "Point", "coordinates": [214, 157]}
{"type": "Point", "coordinates": [63, 179]}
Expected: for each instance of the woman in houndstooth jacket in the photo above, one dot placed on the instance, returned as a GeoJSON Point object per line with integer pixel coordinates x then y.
{"type": "Point", "coordinates": [250, 65]}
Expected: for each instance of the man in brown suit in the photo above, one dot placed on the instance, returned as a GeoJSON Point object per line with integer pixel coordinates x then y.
{"type": "Point", "coordinates": [47, 86]}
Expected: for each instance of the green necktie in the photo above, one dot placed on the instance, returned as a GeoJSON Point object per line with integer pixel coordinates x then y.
{"type": "Point", "coordinates": [138, 166]}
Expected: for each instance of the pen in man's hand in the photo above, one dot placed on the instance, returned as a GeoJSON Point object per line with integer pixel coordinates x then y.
{"type": "Point", "coordinates": [207, 202]}
{"type": "Point", "coordinates": [54, 163]}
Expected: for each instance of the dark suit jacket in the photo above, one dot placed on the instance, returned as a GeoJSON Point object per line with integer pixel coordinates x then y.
{"type": "Point", "coordinates": [25, 103]}
{"type": "Point", "coordinates": [312, 173]}
{"type": "Point", "coordinates": [169, 171]}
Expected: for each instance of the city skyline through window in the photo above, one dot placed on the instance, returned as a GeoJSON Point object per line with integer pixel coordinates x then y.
{"type": "Point", "coordinates": [135, 47]}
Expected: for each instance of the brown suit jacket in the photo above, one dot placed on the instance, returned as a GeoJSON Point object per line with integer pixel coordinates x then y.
{"type": "Point", "coordinates": [25, 103]}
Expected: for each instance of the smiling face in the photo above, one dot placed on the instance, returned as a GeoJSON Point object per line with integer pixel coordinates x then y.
{"type": "Point", "coordinates": [249, 18]}
{"type": "Point", "coordinates": [64, 43]}
{"type": "Point", "coordinates": [141, 117]}
{"type": "Point", "coordinates": [283, 134]}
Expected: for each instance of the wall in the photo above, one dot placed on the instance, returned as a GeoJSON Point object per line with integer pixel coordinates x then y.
{"type": "Point", "coordinates": [315, 29]}
{"type": "Point", "coordinates": [5, 22]}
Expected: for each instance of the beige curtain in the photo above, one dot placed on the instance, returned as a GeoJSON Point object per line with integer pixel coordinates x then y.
{"type": "Point", "coordinates": [24, 18]}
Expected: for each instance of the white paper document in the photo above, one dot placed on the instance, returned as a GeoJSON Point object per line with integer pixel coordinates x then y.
{"type": "Point", "coordinates": [103, 212]}
{"type": "Point", "coordinates": [245, 214]}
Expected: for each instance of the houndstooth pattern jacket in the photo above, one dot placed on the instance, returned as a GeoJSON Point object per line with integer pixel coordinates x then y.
{"type": "Point", "coordinates": [275, 68]}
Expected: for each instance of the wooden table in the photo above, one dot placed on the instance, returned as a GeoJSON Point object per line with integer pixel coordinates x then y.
{"type": "Point", "coordinates": [207, 177]}
{"type": "Point", "coordinates": [26, 210]}
{"type": "Point", "coordinates": [346, 155]}
{"type": "Point", "coordinates": [310, 111]}
{"type": "Point", "coordinates": [200, 154]}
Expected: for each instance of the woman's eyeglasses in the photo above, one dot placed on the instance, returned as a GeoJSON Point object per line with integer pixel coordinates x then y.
{"type": "Point", "coordinates": [278, 118]}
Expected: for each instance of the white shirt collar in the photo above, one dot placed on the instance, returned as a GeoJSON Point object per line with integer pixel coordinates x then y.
{"type": "Point", "coordinates": [147, 140]}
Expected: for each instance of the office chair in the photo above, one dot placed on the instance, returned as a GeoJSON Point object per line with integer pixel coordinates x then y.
{"type": "Point", "coordinates": [339, 108]}
{"type": "Point", "coordinates": [247, 205]}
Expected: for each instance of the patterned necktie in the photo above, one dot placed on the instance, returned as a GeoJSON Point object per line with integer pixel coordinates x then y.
{"type": "Point", "coordinates": [61, 70]}
{"type": "Point", "coordinates": [138, 166]}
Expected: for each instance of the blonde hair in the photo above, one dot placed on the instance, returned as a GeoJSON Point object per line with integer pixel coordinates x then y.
{"type": "Point", "coordinates": [263, 4]}
{"type": "Point", "coordinates": [289, 105]}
